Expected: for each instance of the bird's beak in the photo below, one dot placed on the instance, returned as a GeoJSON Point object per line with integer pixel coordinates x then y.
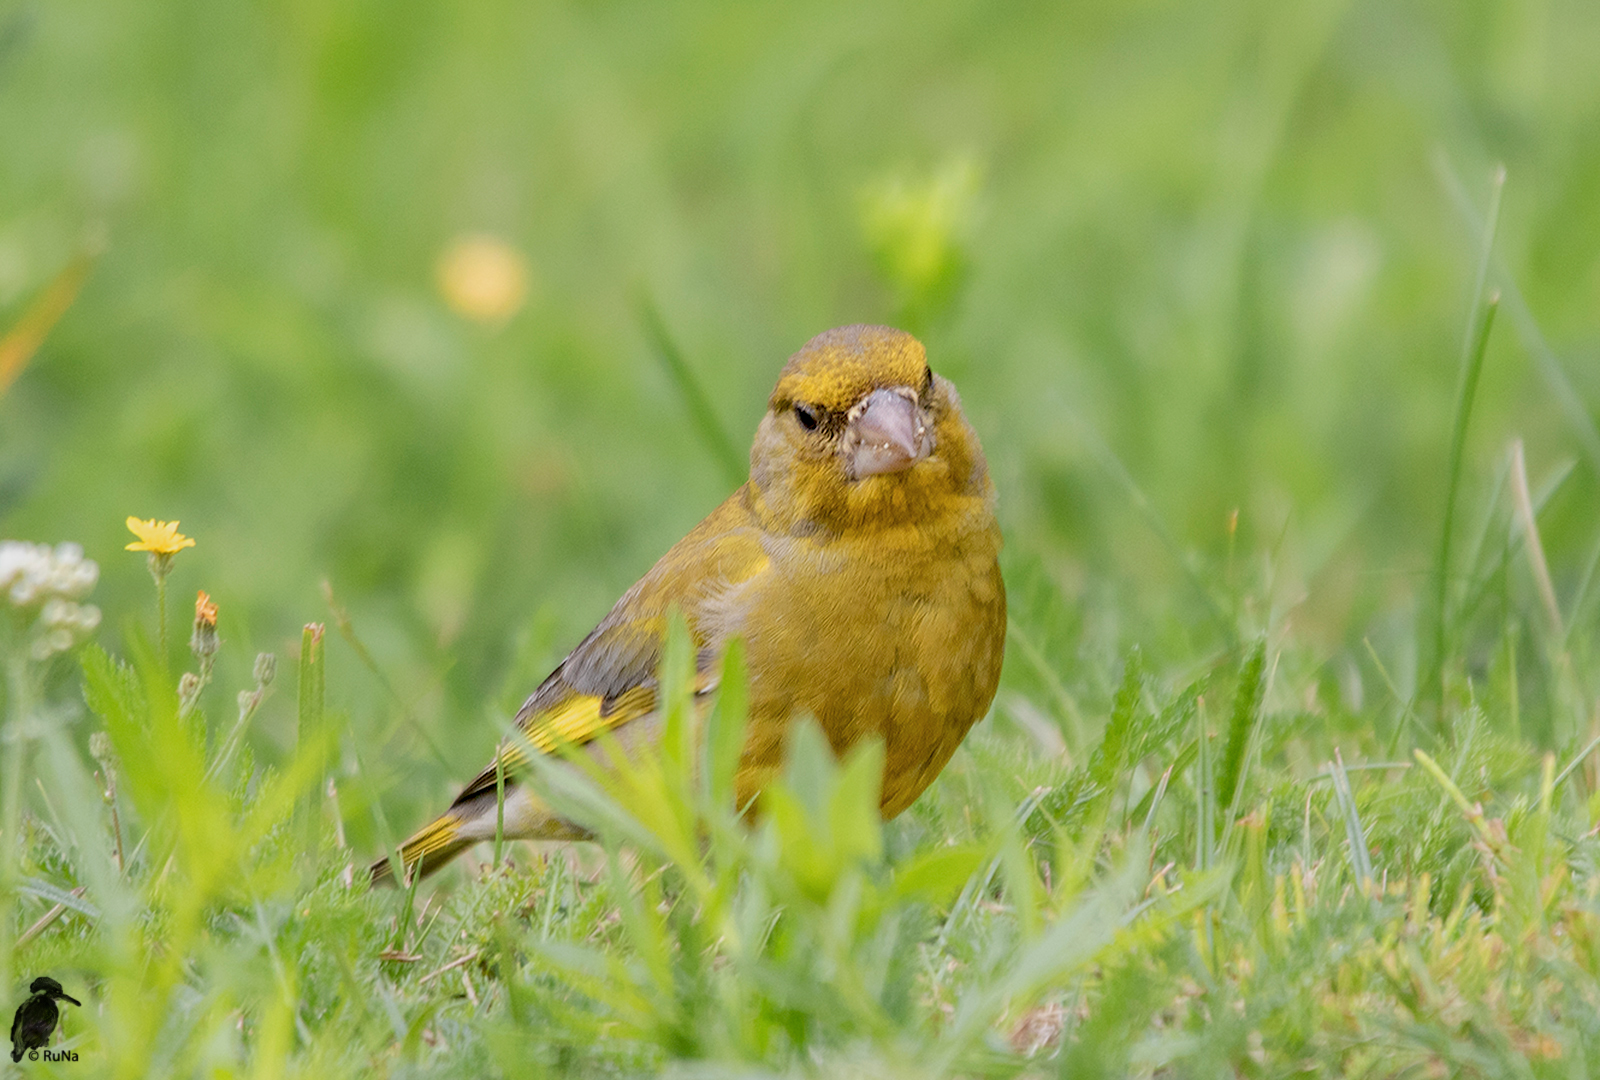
{"type": "Point", "coordinates": [887, 433]}
{"type": "Point", "coordinates": [66, 997]}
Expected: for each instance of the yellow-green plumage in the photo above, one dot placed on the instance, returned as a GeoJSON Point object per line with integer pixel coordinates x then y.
{"type": "Point", "coordinates": [859, 565]}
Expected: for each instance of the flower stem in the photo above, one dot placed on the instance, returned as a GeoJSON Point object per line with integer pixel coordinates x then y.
{"type": "Point", "coordinates": [160, 567]}
{"type": "Point", "coordinates": [13, 748]}
{"type": "Point", "coordinates": [161, 602]}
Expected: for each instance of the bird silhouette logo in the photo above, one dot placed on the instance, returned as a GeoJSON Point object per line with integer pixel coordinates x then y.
{"type": "Point", "coordinates": [36, 1018]}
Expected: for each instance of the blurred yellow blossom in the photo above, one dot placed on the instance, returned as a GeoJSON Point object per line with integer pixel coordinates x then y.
{"type": "Point", "coordinates": [920, 229]}
{"type": "Point", "coordinates": [482, 278]}
{"type": "Point", "coordinates": [157, 537]}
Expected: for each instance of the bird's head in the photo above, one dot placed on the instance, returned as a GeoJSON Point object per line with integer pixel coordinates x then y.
{"type": "Point", "coordinates": [860, 432]}
{"type": "Point", "coordinates": [46, 986]}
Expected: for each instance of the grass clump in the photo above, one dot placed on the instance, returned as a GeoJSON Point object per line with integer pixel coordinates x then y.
{"type": "Point", "coordinates": [1197, 888]}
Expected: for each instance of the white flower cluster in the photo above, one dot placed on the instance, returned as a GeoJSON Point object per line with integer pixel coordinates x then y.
{"type": "Point", "coordinates": [53, 581]}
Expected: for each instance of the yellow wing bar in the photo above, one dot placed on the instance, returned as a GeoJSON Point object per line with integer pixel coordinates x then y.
{"type": "Point", "coordinates": [573, 722]}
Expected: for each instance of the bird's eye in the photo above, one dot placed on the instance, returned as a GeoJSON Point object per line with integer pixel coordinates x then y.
{"type": "Point", "coordinates": [807, 417]}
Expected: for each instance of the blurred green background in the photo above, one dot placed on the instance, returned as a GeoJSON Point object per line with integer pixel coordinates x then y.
{"type": "Point", "coordinates": [1181, 259]}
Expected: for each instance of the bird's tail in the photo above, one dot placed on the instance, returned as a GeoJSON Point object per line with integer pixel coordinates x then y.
{"type": "Point", "coordinates": [434, 845]}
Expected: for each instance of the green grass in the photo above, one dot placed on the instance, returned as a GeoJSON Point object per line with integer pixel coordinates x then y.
{"type": "Point", "coordinates": [1193, 897]}
{"type": "Point", "coordinates": [1292, 770]}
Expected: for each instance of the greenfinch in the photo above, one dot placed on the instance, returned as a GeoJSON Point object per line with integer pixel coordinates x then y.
{"type": "Point", "coordinates": [859, 565]}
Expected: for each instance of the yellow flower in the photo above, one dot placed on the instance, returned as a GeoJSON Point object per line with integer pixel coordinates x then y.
{"type": "Point", "coordinates": [158, 537]}
{"type": "Point", "coordinates": [483, 278]}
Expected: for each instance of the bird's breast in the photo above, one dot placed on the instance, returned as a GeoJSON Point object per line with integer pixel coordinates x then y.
{"type": "Point", "coordinates": [898, 636]}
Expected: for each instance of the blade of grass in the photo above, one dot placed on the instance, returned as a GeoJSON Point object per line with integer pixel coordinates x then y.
{"type": "Point", "coordinates": [1360, 860]}
{"type": "Point", "coordinates": [499, 802]}
{"type": "Point", "coordinates": [45, 920]}
{"type": "Point", "coordinates": [1473, 367]}
{"type": "Point", "coordinates": [1141, 502]}
{"type": "Point", "coordinates": [386, 836]}
{"type": "Point", "coordinates": [1205, 829]}
{"type": "Point", "coordinates": [1158, 793]}
{"type": "Point", "coordinates": [313, 672]}
{"type": "Point", "coordinates": [1531, 541]}
{"type": "Point", "coordinates": [1036, 658]}
{"type": "Point", "coordinates": [1407, 712]}
{"type": "Point", "coordinates": [1480, 586]}
{"type": "Point", "coordinates": [1573, 408]}
{"type": "Point", "coordinates": [725, 731]}
{"type": "Point", "coordinates": [1480, 320]}
{"type": "Point", "coordinates": [1443, 779]}
{"type": "Point", "coordinates": [1581, 595]}
{"type": "Point", "coordinates": [16, 736]}
{"type": "Point", "coordinates": [1472, 812]}
{"type": "Point", "coordinates": [735, 467]}
{"type": "Point", "coordinates": [1370, 766]}
{"type": "Point", "coordinates": [1576, 761]}
{"type": "Point", "coordinates": [28, 333]}
{"type": "Point", "coordinates": [1475, 554]}
{"type": "Point", "coordinates": [1146, 806]}
{"type": "Point", "coordinates": [347, 630]}
{"type": "Point", "coordinates": [45, 891]}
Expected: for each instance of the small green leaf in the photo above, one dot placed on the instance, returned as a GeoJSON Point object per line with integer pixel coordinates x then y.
{"type": "Point", "coordinates": [725, 727]}
{"type": "Point", "coordinates": [854, 820]}
{"type": "Point", "coordinates": [54, 895]}
{"type": "Point", "coordinates": [938, 876]}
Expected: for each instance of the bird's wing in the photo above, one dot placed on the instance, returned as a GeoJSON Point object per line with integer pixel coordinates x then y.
{"type": "Point", "coordinates": [610, 678]}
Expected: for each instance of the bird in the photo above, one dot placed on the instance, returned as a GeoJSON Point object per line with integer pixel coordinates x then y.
{"type": "Point", "coordinates": [36, 1017]}
{"type": "Point", "coordinates": [859, 565]}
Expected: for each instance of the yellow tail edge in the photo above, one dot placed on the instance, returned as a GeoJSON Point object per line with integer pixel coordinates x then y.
{"type": "Point", "coordinates": [430, 848]}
